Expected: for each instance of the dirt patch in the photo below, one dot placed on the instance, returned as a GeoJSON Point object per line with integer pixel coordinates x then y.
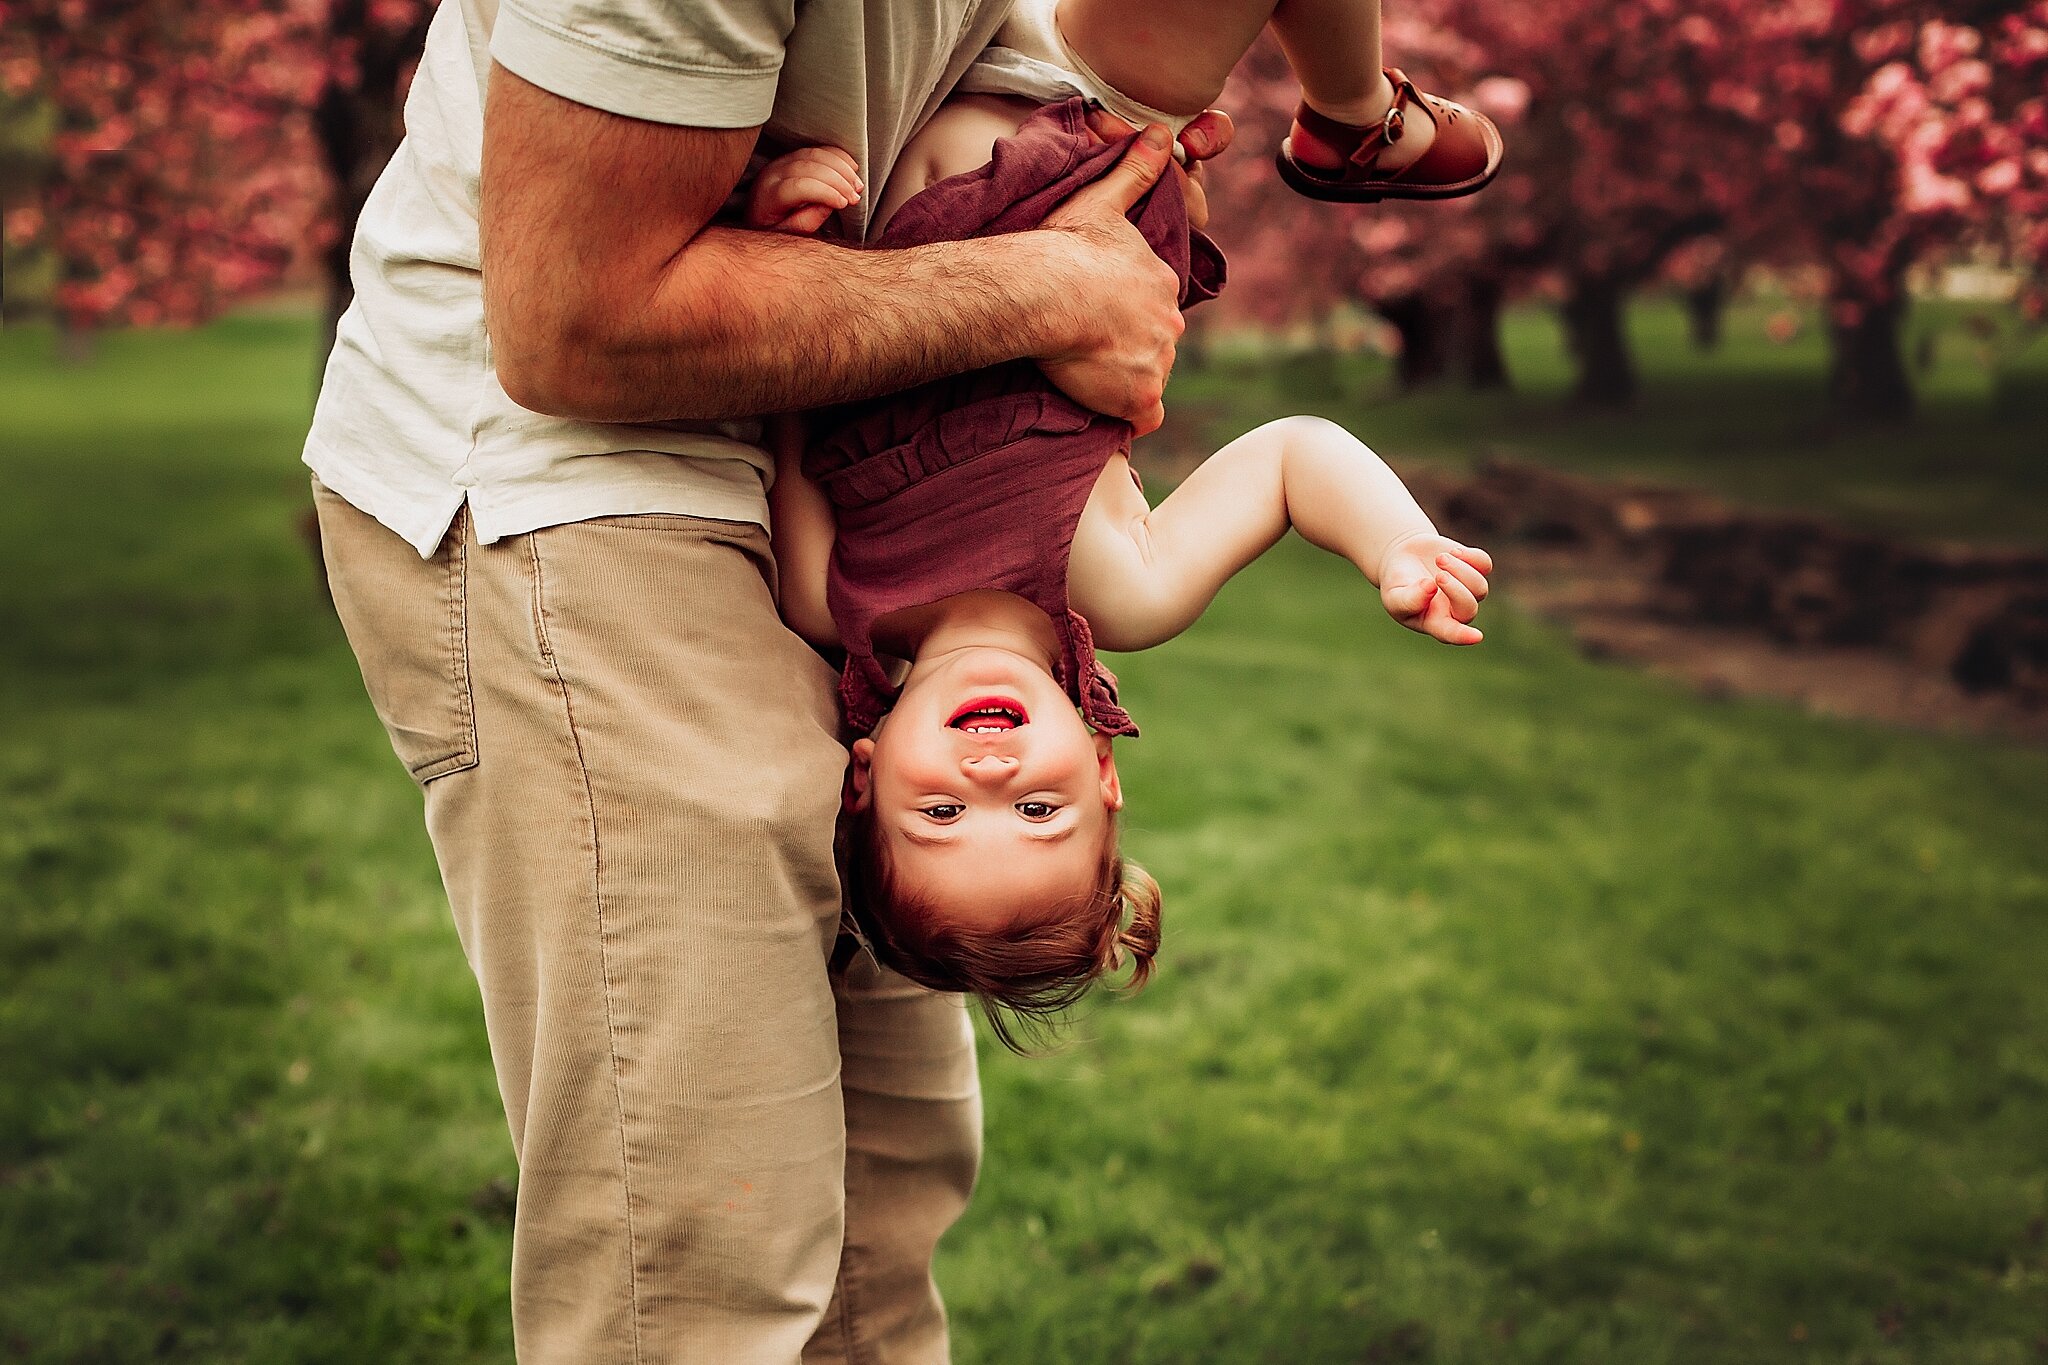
{"type": "Point", "coordinates": [1739, 602]}
{"type": "Point", "coordinates": [1745, 603]}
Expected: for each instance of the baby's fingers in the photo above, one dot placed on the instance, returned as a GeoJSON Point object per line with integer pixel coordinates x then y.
{"type": "Point", "coordinates": [1442, 624]}
{"type": "Point", "coordinates": [805, 220]}
{"type": "Point", "coordinates": [810, 189]}
{"type": "Point", "coordinates": [1474, 556]}
{"type": "Point", "coordinates": [1459, 599]}
{"type": "Point", "coordinates": [1465, 572]}
{"type": "Point", "coordinates": [828, 164]}
{"type": "Point", "coordinates": [1406, 601]}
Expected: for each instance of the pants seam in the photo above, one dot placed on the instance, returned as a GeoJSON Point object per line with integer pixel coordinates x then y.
{"type": "Point", "coordinates": [458, 631]}
{"type": "Point", "coordinates": [554, 667]}
{"type": "Point", "coordinates": [854, 1354]}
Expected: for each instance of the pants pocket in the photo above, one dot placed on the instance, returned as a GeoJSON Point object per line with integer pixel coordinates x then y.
{"type": "Point", "coordinates": [407, 620]}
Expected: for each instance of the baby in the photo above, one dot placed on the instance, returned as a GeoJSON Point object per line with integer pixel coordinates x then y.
{"type": "Point", "coordinates": [969, 543]}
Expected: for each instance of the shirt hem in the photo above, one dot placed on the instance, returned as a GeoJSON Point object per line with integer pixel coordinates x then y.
{"type": "Point", "coordinates": [494, 520]}
{"type": "Point", "coordinates": [615, 500]}
{"type": "Point", "coordinates": [376, 502]}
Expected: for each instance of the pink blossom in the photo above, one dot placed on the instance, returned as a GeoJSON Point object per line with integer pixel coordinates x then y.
{"type": "Point", "coordinates": [1502, 98]}
{"type": "Point", "coordinates": [2000, 177]}
{"type": "Point", "coordinates": [1942, 44]}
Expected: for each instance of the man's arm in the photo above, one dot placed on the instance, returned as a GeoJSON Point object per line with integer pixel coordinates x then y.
{"type": "Point", "coordinates": [609, 299]}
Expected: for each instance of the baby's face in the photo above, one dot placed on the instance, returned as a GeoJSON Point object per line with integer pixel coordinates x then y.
{"type": "Point", "coordinates": [990, 793]}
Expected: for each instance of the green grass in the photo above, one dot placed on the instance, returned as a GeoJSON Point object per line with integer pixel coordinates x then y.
{"type": "Point", "coordinates": [1747, 420]}
{"type": "Point", "coordinates": [1513, 1008]}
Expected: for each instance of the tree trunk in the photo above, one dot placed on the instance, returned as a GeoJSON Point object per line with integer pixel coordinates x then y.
{"type": "Point", "coordinates": [340, 294]}
{"type": "Point", "coordinates": [75, 344]}
{"type": "Point", "coordinates": [1706, 303]}
{"type": "Point", "coordinates": [1476, 356]}
{"type": "Point", "coordinates": [1867, 378]}
{"type": "Point", "coordinates": [1425, 354]}
{"type": "Point", "coordinates": [1596, 331]}
{"type": "Point", "coordinates": [1452, 335]}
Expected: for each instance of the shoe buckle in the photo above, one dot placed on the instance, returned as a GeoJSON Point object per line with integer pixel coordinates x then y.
{"type": "Point", "coordinates": [1390, 126]}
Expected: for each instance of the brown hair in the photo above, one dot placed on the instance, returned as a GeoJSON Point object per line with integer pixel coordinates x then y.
{"type": "Point", "coordinates": [1024, 974]}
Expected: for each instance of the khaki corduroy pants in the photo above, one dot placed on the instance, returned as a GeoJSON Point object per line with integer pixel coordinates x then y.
{"type": "Point", "coordinates": [727, 1155]}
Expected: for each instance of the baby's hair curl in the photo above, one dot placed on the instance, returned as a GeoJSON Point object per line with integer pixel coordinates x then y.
{"type": "Point", "coordinates": [1027, 974]}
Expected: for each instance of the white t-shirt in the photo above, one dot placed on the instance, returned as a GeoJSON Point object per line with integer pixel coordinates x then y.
{"type": "Point", "coordinates": [412, 421]}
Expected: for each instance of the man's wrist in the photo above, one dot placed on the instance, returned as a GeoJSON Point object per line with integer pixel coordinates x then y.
{"type": "Point", "coordinates": [1053, 323]}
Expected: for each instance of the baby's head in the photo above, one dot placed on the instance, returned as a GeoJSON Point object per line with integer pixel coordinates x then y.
{"type": "Point", "coordinates": [983, 853]}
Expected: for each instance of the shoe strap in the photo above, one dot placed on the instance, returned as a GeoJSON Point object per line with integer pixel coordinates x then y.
{"type": "Point", "coordinates": [1365, 142]}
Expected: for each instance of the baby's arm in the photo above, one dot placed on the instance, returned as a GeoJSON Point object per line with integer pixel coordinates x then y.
{"type": "Point", "coordinates": [801, 529]}
{"type": "Point", "coordinates": [1142, 575]}
{"type": "Point", "coordinates": [798, 192]}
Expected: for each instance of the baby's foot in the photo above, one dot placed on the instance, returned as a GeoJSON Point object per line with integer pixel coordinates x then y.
{"type": "Point", "coordinates": [1397, 143]}
{"type": "Point", "coordinates": [1416, 137]}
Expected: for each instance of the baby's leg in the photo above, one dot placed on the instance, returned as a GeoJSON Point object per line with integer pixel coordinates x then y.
{"type": "Point", "coordinates": [1176, 54]}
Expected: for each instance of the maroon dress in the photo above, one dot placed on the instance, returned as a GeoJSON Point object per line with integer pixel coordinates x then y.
{"type": "Point", "coordinates": [979, 480]}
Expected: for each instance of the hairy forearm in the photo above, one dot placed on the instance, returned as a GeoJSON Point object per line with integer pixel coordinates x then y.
{"type": "Point", "coordinates": [743, 322]}
{"type": "Point", "coordinates": [608, 298]}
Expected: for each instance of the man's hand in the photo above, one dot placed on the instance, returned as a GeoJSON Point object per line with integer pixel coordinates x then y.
{"type": "Point", "coordinates": [800, 190]}
{"type": "Point", "coordinates": [1207, 136]}
{"type": "Point", "coordinates": [611, 297]}
{"type": "Point", "coordinates": [1126, 300]}
{"type": "Point", "coordinates": [1433, 584]}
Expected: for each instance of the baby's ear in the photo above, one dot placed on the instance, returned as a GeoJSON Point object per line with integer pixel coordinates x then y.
{"type": "Point", "coordinates": [1105, 762]}
{"type": "Point", "coordinates": [858, 793]}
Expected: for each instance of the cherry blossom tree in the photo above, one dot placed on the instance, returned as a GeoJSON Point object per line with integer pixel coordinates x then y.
{"type": "Point", "coordinates": [1653, 139]}
{"type": "Point", "coordinates": [1963, 111]}
{"type": "Point", "coordinates": [197, 149]}
{"type": "Point", "coordinates": [1437, 273]}
{"type": "Point", "coordinates": [1617, 157]}
{"type": "Point", "coordinates": [1628, 151]}
{"type": "Point", "coordinates": [1899, 129]}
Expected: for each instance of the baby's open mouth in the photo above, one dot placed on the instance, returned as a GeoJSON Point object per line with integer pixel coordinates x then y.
{"type": "Point", "coordinates": [989, 716]}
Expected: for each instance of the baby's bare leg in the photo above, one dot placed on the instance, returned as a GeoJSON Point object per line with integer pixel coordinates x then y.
{"type": "Point", "coordinates": [1175, 54]}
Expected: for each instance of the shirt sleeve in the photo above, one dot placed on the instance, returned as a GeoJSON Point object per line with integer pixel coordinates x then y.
{"type": "Point", "coordinates": [700, 63]}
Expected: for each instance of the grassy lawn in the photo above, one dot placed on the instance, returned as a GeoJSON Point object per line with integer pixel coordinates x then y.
{"type": "Point", "coordinates": [1514, 1008]}
{"type": "Point", "coordinates": [1746, 420]}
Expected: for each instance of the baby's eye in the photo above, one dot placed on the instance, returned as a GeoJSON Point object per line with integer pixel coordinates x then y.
{"type": "Point", "coordinates": [943, 811]}
{"type": "Point", "coordinates": [1036, 810]}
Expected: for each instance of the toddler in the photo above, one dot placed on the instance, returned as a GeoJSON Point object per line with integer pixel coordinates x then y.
{"type": "Point", "coordinates": [969, 543]}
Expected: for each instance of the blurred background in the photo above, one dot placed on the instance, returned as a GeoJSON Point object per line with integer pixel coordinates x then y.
{"type": "Point", "coordinates": [1661, 981]}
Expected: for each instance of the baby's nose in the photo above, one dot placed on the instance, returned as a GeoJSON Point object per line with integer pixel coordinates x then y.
{"type": "Point", "coordinates": [988, 767]}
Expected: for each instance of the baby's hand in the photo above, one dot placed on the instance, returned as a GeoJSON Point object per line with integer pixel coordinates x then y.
{"type": "Point", "coordinates": [1431, 583]}
{"type": "Point", "coordinates": [800, 190]}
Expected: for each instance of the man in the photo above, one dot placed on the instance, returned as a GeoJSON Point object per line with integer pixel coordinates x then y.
{"type": "Point", "coordinates": [546, 545]}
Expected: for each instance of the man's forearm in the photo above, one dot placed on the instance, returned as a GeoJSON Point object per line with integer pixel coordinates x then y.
{"type": "Point", "coordinates": [607, 297]}
{"type": "Point", "coordinates": [744, 322]}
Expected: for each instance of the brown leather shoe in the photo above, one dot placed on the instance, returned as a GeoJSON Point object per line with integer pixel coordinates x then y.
{"type": "Point", "coordinates": [1465, 156]}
